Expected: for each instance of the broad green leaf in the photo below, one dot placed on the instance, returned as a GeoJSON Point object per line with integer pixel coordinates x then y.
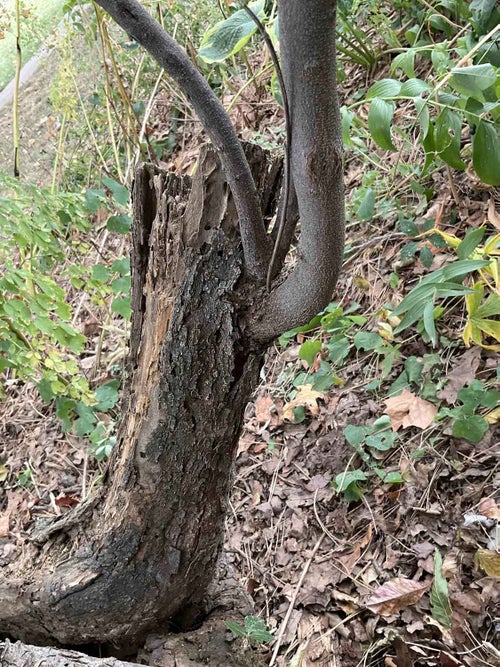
{"type": "Point", "coordinates": [257, 630]}
{"type": "Point", "coordinates": [345, 479]}
{"type": "Point", "coordinates": [379, 122]}
{"type": "Point", "coordinates": [100, 273]}
{"type": "Point", "coordinates": [121, 285]}
{"type": "Point", "coordinates": [439, 598]}
{"type": "Point", "coordinates": [119, 223]}
{"type": "Point", "coordinates": [470, 242]}
{"type": "Point", "coordinates": [406, 61]}
{"type": "Point", "coordinates": [236, 629]}
{"type": "Point", "coordinates": [413, 88]}
{"type": "Point", "coordinates": [486, 152]}
{"type": "Point", "coordinates": [473, 80]}
{"type": "Point", "coordinates": [120, 192]}
{"type": "Point", "coordinates": [347, 118]}
{"type": "Point", "coordinates": [228, 37]}
{"type": "Point", "coordinates": [447, 137]}
{"type": "Point", "coordinates": [365, 340]}
{"type": "Point", "coordinates": [121, 305]}
{"type": "Point", "coordinates": [384, 89]}
{"type": "Point", "coordinates": [86, 419]}
{"type": "Point", "coordinates": [367, 207]}
{"type": "Point", "coordinates": [309, 350]}
{"type": "Point", "coordinates": [470, 427]}
{"type": "Point", "coordinates": [107, 395]}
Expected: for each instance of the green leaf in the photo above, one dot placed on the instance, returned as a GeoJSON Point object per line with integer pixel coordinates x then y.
{"type": "Point", "coordinates": [309, 350]}
{"type": "Point", "coordinates": [414, 88]}
{"type": "Point", "coordinates": [473, 80]}
{"type": "Point", "coordinates": [426, 256]}
{"type": "Point", "coordinates": [86, 419]}
{"type": "Point", "coordinates": [365, 340]}
{"type": "Point", "coordinates": [406, 61]}
{"type": "Point", "coordinates": [236, 629]}
{"type": "Point", "coordinates": [120, 192]}
{"type": "Point", "coordinates": [367, 207]}
{"type": "Point", "coordinates": [121, 285]}
{"type": "Point", "coordinates": [470, 242]}
{"type": "Point", "coordinates": [379, 122]}
{"type": "Point", "coordinates": [257, 630]}
{"type": "Point", "coordinates": [470, 427]}
{"type": "Point", "coordinates": [121, 305]}
{"type": "Point", "coordinates": [107, 395]}
{"type": "Point", "coordinates": [100, 273]}
{"type": "Point", "coordinates": [486, 152]}
{"type": "Point", "coordinates": [121, 266]}
{"type": "Point", "coordinates": [229, 36]}
{"type": "Point", "coordinates": [120, 224]}
{"type": "Point", "coordinates": [429, 325]}
{"type": "Point", "coordinates": [384, 89]}
{"type": "Point", "coordinates": [447, 138]}
{"type": "Point", "coordinates": [439, 598]}
{"type": "Point", "coordinates": [347, 483]}
{"type": "Point", "coordinates": [94, 199]}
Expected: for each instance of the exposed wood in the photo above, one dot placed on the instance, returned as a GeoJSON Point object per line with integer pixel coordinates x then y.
{"type": "Point", "coordinates": [24, 655]}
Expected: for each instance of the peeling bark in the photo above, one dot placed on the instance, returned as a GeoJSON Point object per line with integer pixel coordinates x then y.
{"type": "Point", "coordinates": [146, 548]}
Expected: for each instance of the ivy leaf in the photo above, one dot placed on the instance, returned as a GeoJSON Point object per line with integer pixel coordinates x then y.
{"type": "Point", "coordinates": [107, 395]}
{"type": "Point", "coordinates": [379, 123]}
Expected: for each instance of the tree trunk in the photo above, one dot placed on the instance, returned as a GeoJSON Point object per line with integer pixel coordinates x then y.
{"type": "Point", "coordinates": [145, 548]}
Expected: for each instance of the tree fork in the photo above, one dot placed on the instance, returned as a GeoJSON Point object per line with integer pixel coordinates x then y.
{"type": "Point", "coordinates": [148, 549]}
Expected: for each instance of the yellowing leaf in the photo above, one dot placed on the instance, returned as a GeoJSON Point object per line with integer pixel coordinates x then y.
{"type": "Point", "coordinates": [307, 397]}
{"type": "Point", "coordinates": [489, 561]}
{"type": "Point", "coordinates": [409, 410]}
{"type": "Point", "coordinates": [493, 416]}
{"type": "Point", "coordinates": [395, 595]}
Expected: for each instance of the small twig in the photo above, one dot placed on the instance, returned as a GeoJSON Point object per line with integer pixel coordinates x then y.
{"type": "Point", "coordinates": [293, 600]}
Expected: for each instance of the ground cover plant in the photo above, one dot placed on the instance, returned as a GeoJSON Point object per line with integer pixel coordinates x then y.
{"type": "Point", "coordinates": [363, 514]}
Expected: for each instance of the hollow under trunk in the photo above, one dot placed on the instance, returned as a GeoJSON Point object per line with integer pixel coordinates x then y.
{"type": "Point", "coordinates": [144, 549]}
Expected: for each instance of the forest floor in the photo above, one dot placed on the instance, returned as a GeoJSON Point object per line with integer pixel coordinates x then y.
{"type": "Point", "coordinates": [333, 534]}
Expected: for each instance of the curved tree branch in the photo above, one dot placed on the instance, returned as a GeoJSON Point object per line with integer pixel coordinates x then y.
{"type": "Point", "coordinates": [307, 31]}
{"type": "Point", "coordinates": [137, 22]}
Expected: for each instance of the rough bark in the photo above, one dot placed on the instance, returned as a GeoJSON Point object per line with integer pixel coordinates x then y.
{"type": "Point", "coordinates": [24, 655]}
{"type": "Point", "coordinates": [146, 548]}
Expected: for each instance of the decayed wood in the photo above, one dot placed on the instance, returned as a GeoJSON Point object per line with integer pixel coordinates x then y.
{"type": "Point", "coordinates": [25, 655]}
{"type": "Point", "coordinates": [147, 548]}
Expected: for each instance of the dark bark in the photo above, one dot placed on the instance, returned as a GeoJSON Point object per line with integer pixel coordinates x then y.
{"type": "Point", "coordinates": [147, 549]}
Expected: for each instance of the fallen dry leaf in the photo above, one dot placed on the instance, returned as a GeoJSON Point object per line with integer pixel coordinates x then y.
{"type": "Point", "coordinates": [409, 410]}
{"type": "Point", "coordinates": [488, 507]}
{"type": "Point", "coordinates": [395, 595]}
{"type": "Point", "coordinates": [4, 524]}
{"type": "Point", "coordinates": [463, 373]}
{"type": "Point", "coordinates": [263, 407]}
{"type": "Point", "coordinates": [307, 397]}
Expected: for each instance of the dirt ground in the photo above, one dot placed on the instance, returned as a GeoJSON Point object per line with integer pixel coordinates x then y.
{"type": "Point", "coordinates": [340, 584]}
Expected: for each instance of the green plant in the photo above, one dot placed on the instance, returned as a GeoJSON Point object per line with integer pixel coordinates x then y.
{"type": "Point", "coordinates": [466, 422]}
{"type": "Point", "coordinates": [255, 629]}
